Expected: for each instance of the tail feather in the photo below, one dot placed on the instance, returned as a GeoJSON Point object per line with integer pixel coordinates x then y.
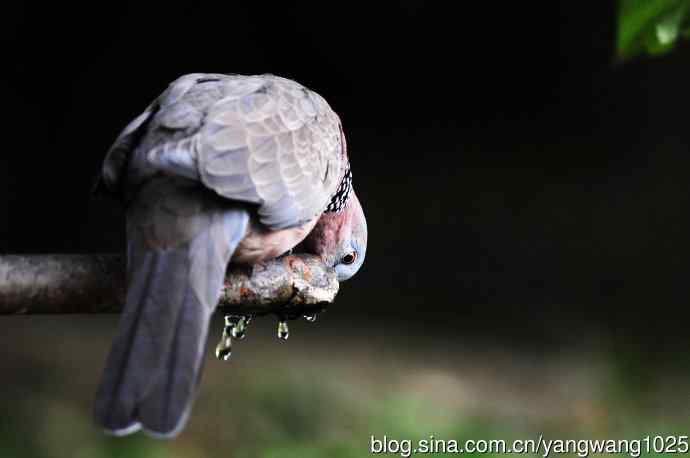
{"type": "Point", "coordinates": [153, 369]}
{"type": "Point", "coordinates": [135, 360]}
{"type": "Point", "coordinates": [165, 410]}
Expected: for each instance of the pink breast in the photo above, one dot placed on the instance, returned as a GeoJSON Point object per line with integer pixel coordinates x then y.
{"type": "Point", "coordinates": [261, 244]}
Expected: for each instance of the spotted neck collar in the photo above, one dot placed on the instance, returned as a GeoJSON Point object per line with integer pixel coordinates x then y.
{"type": "Point", "coordinates": [339, 198]}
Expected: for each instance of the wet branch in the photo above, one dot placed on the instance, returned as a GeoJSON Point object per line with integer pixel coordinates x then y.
{"type": "Point", "coordinates": [71, 283]}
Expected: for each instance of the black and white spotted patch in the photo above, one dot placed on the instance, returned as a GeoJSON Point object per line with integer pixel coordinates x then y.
{"type": "Point", "coordinates": [339, 199]}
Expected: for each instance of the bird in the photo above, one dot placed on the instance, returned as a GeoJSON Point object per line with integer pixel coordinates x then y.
{"type": "Point", "coordinates": [218, 169]}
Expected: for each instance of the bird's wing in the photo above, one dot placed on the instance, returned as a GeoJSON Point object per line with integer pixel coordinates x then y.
{"type": "Point", "coordinates": [263, 139]}
{"type": "Point", "coordinates": [167, 121]}
{"type": "Point", "coordinates": [279, 144]}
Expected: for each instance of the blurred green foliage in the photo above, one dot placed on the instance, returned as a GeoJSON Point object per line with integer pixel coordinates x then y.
{"type": "Point", "coordinates": [651, 27]}
{"type": "Point", "coordinates": [327, 394]}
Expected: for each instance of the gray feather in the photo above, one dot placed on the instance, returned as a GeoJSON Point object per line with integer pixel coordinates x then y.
{"type": "Point", "coordinates": [257, 139]}
{"type": "Point", "coordinates": [180, 239]}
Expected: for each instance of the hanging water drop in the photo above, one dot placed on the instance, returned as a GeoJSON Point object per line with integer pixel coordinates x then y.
{"type": "Point", "coordinates": [283, 330]}
{"type": "Point", "coordinates": [240, 329]}
{"type": "Point", "coordinates": [224, 347]}
{"type": "Point", "coordinates": [230, 323]}
{"type": "Point", "coordinates": [311, 317]}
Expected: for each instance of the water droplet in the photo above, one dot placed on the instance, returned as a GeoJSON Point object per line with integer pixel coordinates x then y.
{"type": "Point", "coordinates": [224, 348]}
{"type": "Point", "coordinates": [239, 331]}
{"type": "Point", "coordinates": [311, 317]}
{"type": "Point", "coordinates": [230, 323]}
{"type": "Point", "coordinates": [283, 330]}
{"type": "Point", "coordinates": [223, 354]}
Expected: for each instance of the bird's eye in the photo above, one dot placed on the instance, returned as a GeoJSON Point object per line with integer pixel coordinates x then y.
{"type": "Point", "coordinates": [349, 258]}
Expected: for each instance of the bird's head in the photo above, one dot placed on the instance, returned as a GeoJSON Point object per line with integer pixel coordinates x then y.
{"type": "Point", "coordinates": [340, 238]}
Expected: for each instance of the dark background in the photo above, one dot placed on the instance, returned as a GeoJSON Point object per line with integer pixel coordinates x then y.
{"type": "Point", "coordinates": [518, 182]}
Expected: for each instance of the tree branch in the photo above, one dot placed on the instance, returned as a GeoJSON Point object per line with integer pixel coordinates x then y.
{"type": "Point", "coordinates": [74, 283]}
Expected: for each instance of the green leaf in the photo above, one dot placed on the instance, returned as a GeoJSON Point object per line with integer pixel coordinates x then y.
{"type": "Point", "coordinates": [651, 27]}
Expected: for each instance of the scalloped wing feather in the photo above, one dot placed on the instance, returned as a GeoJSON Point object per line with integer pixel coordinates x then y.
{"type": "Point", "coordinates": [261, 139]}
{"type": "Point", "coordinates": [272, 145]}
